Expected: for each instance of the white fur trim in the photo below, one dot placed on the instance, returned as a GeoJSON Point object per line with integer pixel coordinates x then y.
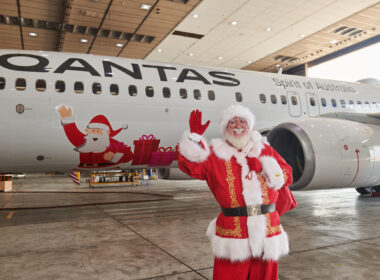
{"type": "Point", "coordinates": [233, 249]}
{"type": "Point", "coordinates": [116, 157]}
{"type": "Point", "coordinates": [195, 136]}
{"type": "Point", "coordinates": [276, 246]}
{"type": "Point", "coordinates": [68, 120]}
{"type": "Point", "coordinates": [98, 125]}
{"type": "Point", "coordinates": [236, 111]}
{"type": "Point", "coordinates": [124, 126]}
{"type": "Point", "coordinates": [272, 172]}
{"type": "Point", "coordinates": [192, 150]}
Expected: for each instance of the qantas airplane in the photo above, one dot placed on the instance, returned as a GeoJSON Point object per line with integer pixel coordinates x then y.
{"type": "Point", "coordinates": [60, 111]}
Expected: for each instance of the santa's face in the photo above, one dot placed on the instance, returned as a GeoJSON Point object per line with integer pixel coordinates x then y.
{"type": "Point", "coordinates": [237, 127]}
{"type": "Point", "coordinates": [97, 141]}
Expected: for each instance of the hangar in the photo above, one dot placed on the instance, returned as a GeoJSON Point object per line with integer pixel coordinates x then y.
{"type": "Point", "coordinates": [55, 229]}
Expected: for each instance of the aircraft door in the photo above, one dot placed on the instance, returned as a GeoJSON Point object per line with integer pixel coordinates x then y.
{"type": "Point", "coordinates": [294, 104]}
{"type": "Point", "coordinates": [312, 104]}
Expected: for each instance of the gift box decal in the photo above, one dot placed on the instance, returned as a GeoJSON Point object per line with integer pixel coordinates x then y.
{"type": "Point", "coordinates": [163, 157]}
{"type": "Point", "coordinates": [144, 147]}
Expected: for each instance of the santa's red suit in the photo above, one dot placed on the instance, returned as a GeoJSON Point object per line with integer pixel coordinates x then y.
{"type": "Point", "coordinates": [96, 160]}
{"type": "Point", "coordinates": [245, 247]}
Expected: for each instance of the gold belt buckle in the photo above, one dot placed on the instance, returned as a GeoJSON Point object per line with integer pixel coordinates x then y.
{"type": "Point", "coordinates": [254, 210]}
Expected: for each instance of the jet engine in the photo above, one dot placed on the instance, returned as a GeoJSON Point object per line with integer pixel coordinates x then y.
{"type": "Point", "coordinates": [172, 174]}
{"type": "Point", "coordinates": [328, 153]}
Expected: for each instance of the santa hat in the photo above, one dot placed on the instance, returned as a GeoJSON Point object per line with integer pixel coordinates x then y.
{"type": "Point", "coordinates": [236, 111]}
{"type": "Point", "coordinates": [101, 122]}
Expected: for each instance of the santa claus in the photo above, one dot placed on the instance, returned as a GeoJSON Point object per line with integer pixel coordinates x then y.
{"type": "Point", "coordinates": [97, 147]}
{"type": "Point", "coordinates": [249, 180]}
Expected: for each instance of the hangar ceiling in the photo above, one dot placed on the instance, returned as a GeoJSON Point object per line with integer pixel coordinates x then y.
{"type": "Point", "coordinates": [244, 34]}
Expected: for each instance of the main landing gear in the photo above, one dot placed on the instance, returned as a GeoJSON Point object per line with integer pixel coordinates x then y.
{"type": "Point", "coordinates": [368, 190]}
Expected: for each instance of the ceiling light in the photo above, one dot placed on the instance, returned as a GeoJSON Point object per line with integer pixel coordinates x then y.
{"type": "Point", "coordinates": [249, 61]}
{"type": "Point", "coordinates": [278, 65]}
{"type": "Point", "coordinates": [220, 57]}
{"type": "Point", "coordinates": [32, 34]}
{"type": "Point", "coordinates": [190, 54]}
{"type": "Point", "coordinates": [83, 40]}
{"type": "Point", "coordinates": [234, 23]}
{"type": "Point", "coordinates": [195, 16]}
{"type": "Point", "coordinates": [334, 41]}
{"type": "Point", "coordinates": [268, 29]}
{"type": "Point", "coordinates": [302, 35]}
{"type": "Point", "coordinates": [159, 50]}
{"type": "Point", "coordinates": [119, 45]}
{"type": "Point", "coordinates": [145, 7]}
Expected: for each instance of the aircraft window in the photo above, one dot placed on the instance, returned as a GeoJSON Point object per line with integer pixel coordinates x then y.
{"type": "Point", "coordinates": [343, 103]}
{"type": "Point", "coordinates": [273, 99]}
{"type": "Point", "coordinates": [60, 86]}
{"type": "Point", "coordinates": [284, 100]}
{"type": "Point", "coordinates": [211, 95]}
{"type": "Point", "coordinates": [96, 88]}
{"type": "Point", "coordinates": [20, 84]}
{"type": "Point", "coordinates": [114, 89]}
{"type": "Point", "coordinates": [2, 83]}
{"type": "Point", "coordinates": [351, 102]}
{"type": "Point", "coordinates": [263, 98]}
{"type": "Point", "coordinates": [197, 94]}
{"type": "Point", "coordinates": [333, 102]}
{"type": "Point", "coordinates": [132, 90]}
{"type": "Point", "coordinates": [323, 102]}
{"type": "Point", "coordinates": [78, 87]}
{"type": "Point", "coordinates": [359, 102]}
{"type": "Point", "coordinates": [312, 101]}
{"type": "Point", "coordinates": [183, 93]}
{"type": "Point", "coordinates": [239, 96]}
{"type": "Point", "coordinates": [40, 85]}
{"type": "Point", "coordinates": [166, 92]}
{"type": "Point", "coordinates": [294, 100]}
{"type": "Point", "coordinates": [149, 91]}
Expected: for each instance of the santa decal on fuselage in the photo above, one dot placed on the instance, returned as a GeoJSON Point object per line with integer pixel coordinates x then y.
{"type": "Point", "coordinates": [97, 147]}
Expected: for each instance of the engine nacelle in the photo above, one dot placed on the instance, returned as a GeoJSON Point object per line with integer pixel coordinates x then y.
{"type": "Point", "coordinates": [326, 153]}
{"type": "Point", "coordinates": [172, 174]}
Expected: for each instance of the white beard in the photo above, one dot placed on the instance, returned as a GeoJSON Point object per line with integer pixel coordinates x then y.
{"type": "Point", "coordinates": [94, 146]}
{"type": "Point", "coordinates": [238, 142]}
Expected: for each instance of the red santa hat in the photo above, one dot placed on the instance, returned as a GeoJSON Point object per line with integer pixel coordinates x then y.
{"type": "Point", "coordinates": [236, 111]}
{"type": "Point", "coordinates": [101, 122]}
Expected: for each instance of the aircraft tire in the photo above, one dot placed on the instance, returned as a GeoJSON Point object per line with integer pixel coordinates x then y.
{"type": "Point", "coordinates": [365, 190]}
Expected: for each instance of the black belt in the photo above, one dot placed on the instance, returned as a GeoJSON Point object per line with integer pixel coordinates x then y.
{"type": "Point", "coordinates": [250, 210]}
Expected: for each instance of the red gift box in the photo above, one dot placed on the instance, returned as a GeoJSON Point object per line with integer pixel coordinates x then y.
{"type": "Point", "coordinates": [144, 147]}
{"type": "Point", "coordinates": [163, 157]}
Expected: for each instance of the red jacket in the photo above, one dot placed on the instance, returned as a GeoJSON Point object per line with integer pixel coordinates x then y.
{"type": "Point", "coordinates": [227, 174]}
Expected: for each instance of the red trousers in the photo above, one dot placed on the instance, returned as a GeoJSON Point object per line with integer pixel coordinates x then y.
{"type": "Point", "coordinates": [251, 269]}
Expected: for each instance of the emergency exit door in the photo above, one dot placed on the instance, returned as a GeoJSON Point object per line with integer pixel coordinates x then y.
{"type": "Point", "coordinates": [312, 104]}
{"type": "Point", "coordinates": [294, 104]}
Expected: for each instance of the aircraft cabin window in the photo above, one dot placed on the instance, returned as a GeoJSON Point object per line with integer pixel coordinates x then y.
{"type": "Point", "coordinates": [211, 95]}
{"type": "Point", "coordinates": [197, 94]}
{"type": "Point", "coordinates": [132, 90]}
{"type": "Point", "coordinates": [166, 92]}
{"type": "Point", "coordinates": [60, 86]}
{"type": "Point", "coordinates": [323, 102]}
{"type": "Point", "coordinates": [78, 87]}
{"type": "Point", "coordinates": [40, 85]}
{"type": "Point", "coordinates": [351, 102]}
{"type": "Point", "coordinates": [149, 91]}
{"type": "Point", "coordinates": [343, 103]}
{"type": "Point", "coordinates": [20, 84]}
{"type": "Point", "coordinates": [238, 96]}
{"type": "Point", "coordinates": [333, 102]}
{"type": "Point", "coordinates": [114, 89]}
{"type": "Point", "coordinates": [312, 101]}
{"type": "Point", "coordinates": [2, 83]}
{"type": "Point", "coordinates": [263, 98]}
{"type": "Point", "coordinates": [96, 88]}
{"type": "Point", "coordinates": [294, 100]}
{"type": "Point", "coordinates": [284, 101]}
{"type": "Point", "coordinates": [183, 93]}
{"type": "Point", "coordinates": [359, 102]}
{"type": "Point", "coordinates": [273, 99]}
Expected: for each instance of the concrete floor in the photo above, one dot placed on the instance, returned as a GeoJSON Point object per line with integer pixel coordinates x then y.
{"type": "Point", "coordinates": [334, 234]}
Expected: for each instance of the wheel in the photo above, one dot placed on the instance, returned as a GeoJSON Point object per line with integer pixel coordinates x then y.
{"type": "Point", "coordinates": [365, 190]}
{"type": "Point", "coordinates": [376, 188]}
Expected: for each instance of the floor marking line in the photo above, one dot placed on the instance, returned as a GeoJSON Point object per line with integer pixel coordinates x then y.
{"type": "Point", "coordinates": [10, 215]}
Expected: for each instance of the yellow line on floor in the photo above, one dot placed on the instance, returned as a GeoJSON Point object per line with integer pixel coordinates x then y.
{"type": "Point", "coordinates": [10, 215]}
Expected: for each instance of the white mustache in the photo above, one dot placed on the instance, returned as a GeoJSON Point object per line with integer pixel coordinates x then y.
{"type": "Point", "coordinates": [238, 130]}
